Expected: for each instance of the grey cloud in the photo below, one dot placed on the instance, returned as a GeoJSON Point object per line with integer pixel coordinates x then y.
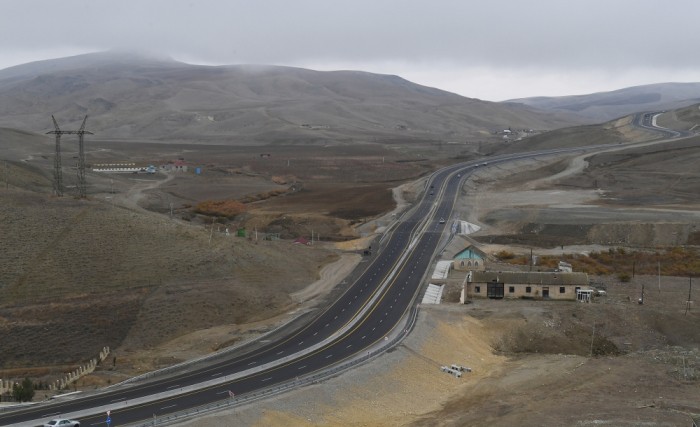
{"type": "Point", "coordinates": [510, 34]}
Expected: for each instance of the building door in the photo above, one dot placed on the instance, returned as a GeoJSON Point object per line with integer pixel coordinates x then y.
{"type": "Point", "coordinates": [495, 290]}
{"type": "Point", "coordinates": [545, 292]}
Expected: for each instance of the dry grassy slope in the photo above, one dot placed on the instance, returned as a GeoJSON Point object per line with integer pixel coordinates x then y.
{"type": "Point", "coordinates": [614, 132]}
{"type": "Point", "coordinates": [87, 275]}
{"type": "Point", "coordinates": [19, 153]}
{"type": "Point", "coordinates": [682, 119]}
{"type": "Point", "coordinates": [129, 96]}
{"type": "Point", "coordinates": [654, 176]}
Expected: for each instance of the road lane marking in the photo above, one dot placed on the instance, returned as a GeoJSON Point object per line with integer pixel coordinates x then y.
{"type": "Point", "coordinates": [252, 363]}
{"type": "Point", "coordinates": [301, 367]}
{"type": "Point", "coordinates": [329, 356]}
{"type": "Point", "coordinates": [169, 406]}
{"type": "Point", "coordinates": [266, 379]}
{"type": "Point", "coordinates": [173, 386]}
{"type": "Point", "coordinates": [216, 374]}
{"type": "Point", "coordinates": [349, 345]}
{"type": "Point", "coordinates": [280, 352]}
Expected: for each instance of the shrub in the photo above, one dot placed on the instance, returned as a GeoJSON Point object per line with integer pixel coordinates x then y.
{"type": "Point", "coordinates": [503, 255]}
{"type": "Point", "coordinates": [624, 277]}
{"type": "Point", "coordinates": [23, 392]}
{"type": "Point", "coordinates": [223, 208]}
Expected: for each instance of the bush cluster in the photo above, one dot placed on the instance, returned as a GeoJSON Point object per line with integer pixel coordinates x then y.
{"type": "Point", "coordinates": [678, 261]}
{"type": "Point", "coordinates": [221, 208]}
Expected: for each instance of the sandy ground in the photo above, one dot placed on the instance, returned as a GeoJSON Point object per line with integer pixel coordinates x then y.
{"type": "Point", "coordinates": [407, 387]}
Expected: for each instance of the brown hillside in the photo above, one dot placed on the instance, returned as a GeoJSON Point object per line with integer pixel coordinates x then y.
{"type": "Point", "coordinates": [128, 96]}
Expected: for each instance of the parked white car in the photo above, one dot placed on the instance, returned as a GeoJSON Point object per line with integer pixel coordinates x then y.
{"type": "Point", "coordinates": [62, 422]}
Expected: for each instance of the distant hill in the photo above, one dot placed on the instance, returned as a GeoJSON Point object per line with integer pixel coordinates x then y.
{"type": "Point", "coordinates": [138, 97]}
{"type": "Point", "coordinates": [605, 106]}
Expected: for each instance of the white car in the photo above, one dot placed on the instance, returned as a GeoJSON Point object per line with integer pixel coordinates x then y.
{"type": "Point", "coordinates": [62, 422]}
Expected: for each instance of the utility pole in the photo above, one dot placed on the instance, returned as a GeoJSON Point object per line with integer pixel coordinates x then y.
{"type": "Point", "coordinates": [690, 290]}
{"type": "Point", "coordinates": [592, 338]}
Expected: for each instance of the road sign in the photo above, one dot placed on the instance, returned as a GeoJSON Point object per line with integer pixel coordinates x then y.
{"type": "Point", "coordinates": [109, 420]}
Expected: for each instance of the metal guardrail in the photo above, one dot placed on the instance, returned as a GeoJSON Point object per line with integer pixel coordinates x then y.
{"type": "Point", "coordinates": [230, 403]}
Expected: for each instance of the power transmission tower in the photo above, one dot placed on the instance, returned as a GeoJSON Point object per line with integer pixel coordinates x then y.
{"type": "Point", "coordinates": [81, 159]}
{"type": "Point", "coordinates": [57, 172]}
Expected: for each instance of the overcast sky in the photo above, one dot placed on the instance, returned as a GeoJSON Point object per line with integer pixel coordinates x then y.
{"type": "Point", "coordinates": [487, 49]}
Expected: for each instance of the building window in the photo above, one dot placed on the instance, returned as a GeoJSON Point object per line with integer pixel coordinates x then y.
{"type": "Point", "coordinates": [562, 289]}
{"type": "Point", "coordinates": [528, 289]}
{"type": "Point", "coordinates": [477, 289]}
{"type": "Point", "coordinates": [511, 289]}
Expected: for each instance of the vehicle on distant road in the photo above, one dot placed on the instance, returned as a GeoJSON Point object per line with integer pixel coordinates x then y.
{"type": "Point", "coordinates": [62, 422]}
{"type": "Point", "coordinates": [442, 220]}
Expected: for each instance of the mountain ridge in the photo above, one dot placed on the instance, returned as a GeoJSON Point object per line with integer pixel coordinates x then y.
{"type": "Point", "coordinates": [605, 106]}
{"type": "Point", "coordinates": [135, 96]}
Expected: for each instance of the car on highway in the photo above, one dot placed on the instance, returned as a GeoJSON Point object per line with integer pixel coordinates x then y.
{"type": "Point", "coordinates": [442, 220]}
{"type": "Point", "coordinates": [62, 422]}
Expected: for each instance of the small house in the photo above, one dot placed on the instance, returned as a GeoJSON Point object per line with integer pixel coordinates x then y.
{"type": "Point", "coordinates": [180, 166]}
{"type": "Point", "coordinates": [469, 258]}
{"type": "Point", "coordinates": [525, 284]}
